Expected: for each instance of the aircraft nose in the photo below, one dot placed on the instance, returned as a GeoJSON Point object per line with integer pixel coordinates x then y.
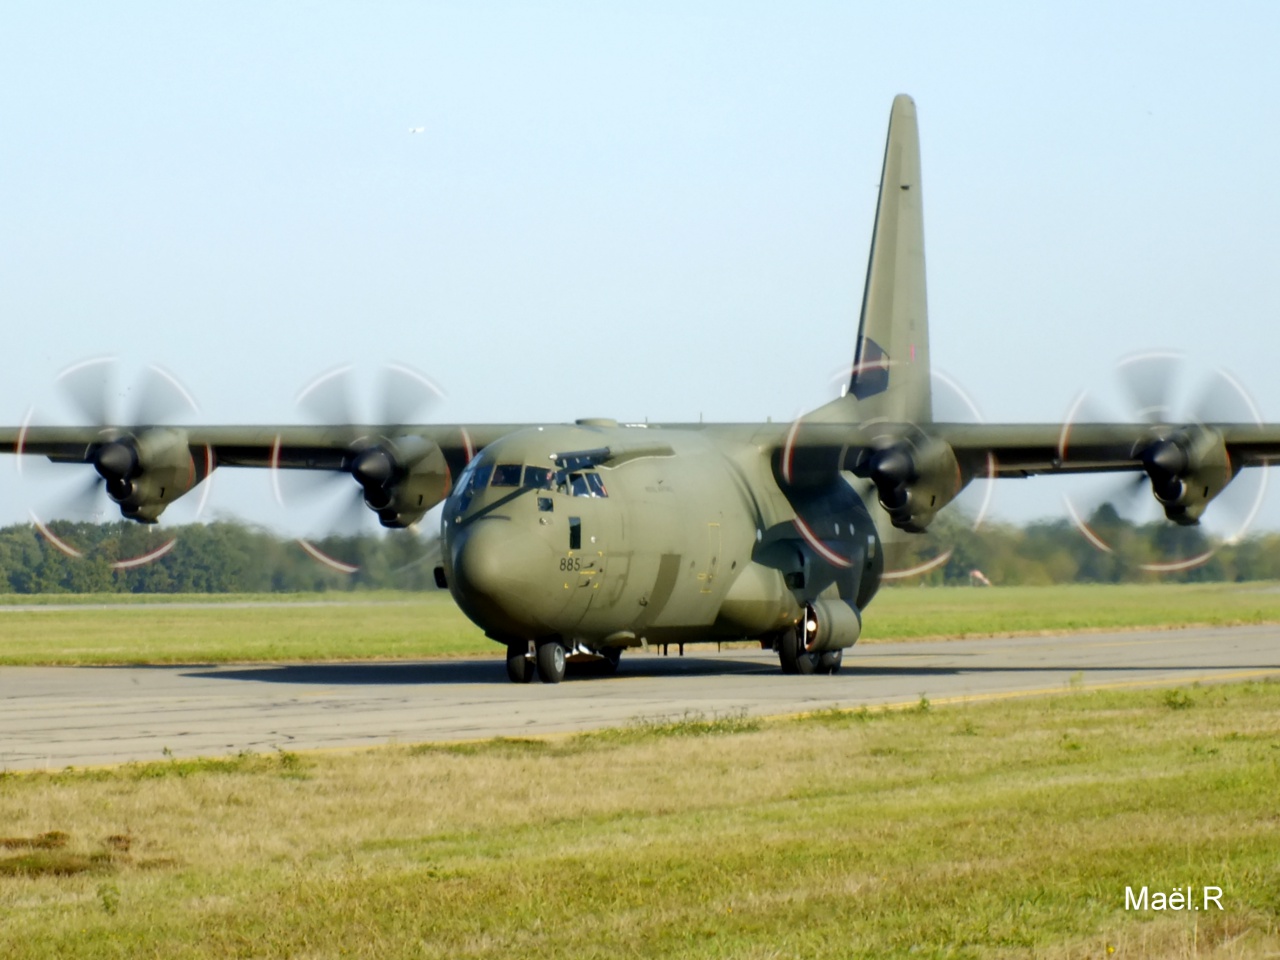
{"type": "Point", "coordinates": [497, 577]}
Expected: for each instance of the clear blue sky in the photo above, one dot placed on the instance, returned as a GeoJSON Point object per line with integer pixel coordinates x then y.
{"type": "Point", "coordinates": [633, 210]}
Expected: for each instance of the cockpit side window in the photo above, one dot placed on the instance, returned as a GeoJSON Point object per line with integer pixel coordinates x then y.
{"type": "Point", "coordinates": [474, 479]}
{"type": "Point", "coordinates": [507, 475]}
{"type": "Point", "coordinates": [586, 485]}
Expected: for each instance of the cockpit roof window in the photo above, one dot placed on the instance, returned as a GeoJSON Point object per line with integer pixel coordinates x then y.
{"type": "Point", "coordinates": [507, 475]}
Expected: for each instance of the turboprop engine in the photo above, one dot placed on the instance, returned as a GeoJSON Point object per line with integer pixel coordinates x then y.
{"type": "Point", "coordinates": [1188, 468]}
{"type": "Point", "coordinates": [914, 479]}
{"type": "Point", "coordinates": [402, 478]}
{"type": "Point", "coordinates": [147, 471]}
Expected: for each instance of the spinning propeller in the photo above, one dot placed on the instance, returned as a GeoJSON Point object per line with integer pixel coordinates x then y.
{"type": "Point", "coordinates": [141, 467]}
{"type": "Point", "coordinates": [1184, 464]}
{"type": "Point", "coordinates": [395, 471]}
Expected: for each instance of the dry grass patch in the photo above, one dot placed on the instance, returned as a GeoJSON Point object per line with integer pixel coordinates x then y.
{"type": "Point", "coordinates": [1006, 829]}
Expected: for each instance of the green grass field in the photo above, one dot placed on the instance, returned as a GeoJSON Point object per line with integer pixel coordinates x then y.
{"type": "Point", "coordinates": [1005, 829]}
{"type": "Point", "coordinates": [98, 629]}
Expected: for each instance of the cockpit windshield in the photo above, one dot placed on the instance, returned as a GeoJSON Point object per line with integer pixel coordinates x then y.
{"type": "Point", "coordinates": [507, 475]}
{"type": "Point", "coordinates": [480, 474]}
{"type": "Point", "coordinates": [539, 478]}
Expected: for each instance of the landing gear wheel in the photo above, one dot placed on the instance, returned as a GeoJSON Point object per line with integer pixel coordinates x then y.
{"type": "Point", "coordinates": [550, 661]}
{"type": "Point", "coordinates": [519, 666]}
{"type": "Point", "coordinates": [830, 661]}
{"type": "Point", "coordinates": [787, 648]}
{"type": "Point", "coordinates": [793, 656]}
{"type": "Point", "coordinates": [807, 664]}
{"type": "Point", "coordinates": [609, 657]}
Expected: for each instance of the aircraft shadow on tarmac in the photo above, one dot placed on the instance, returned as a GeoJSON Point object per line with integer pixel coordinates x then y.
{"type": "Point", "coordinates": [490, 671]}
{"type": "Point", "coordinates": [466, 672]}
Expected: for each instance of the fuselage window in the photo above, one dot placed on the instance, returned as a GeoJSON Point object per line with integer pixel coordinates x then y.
{"type": "Point", "coordinates": [507, 475]}
{"type": "Point", "coordinates": [539, 478]}
{"type": "Point", "coordinates": [596, 486]}
{"type": "Point", "coordinates": [577, 485]}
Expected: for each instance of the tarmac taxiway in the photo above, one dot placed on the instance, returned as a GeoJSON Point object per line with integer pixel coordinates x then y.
{"type": "Point", "coordinates": [54, 717]}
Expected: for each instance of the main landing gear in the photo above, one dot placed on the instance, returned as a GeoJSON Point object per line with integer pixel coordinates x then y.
{"type": "Point", "coordinates": [795, 659]}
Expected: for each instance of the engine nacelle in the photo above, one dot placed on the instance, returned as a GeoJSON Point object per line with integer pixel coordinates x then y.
{"type": "Point", "coordinates": [148, 471]}
{"type": "Point", "coordinates": [913, 478]}
{"type": "Point", "coordinates": [830, 625]}
{"type": "Point", "coordinates": [1188, 468]}
{"type": "Point", "coordinates": [402, 478]}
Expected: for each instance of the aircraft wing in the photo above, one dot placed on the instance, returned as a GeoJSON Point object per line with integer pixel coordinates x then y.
{"type": "Point", "coordinates": [918, 468]}
{"type": "Point", "coordinates": [405, 470]}
{"type": "Point", "coordinates": [1015, 449]}
{"type": "Point", "coordinates": [1021, 450]}
{"type": "Point", "coordinates": [267, 446]}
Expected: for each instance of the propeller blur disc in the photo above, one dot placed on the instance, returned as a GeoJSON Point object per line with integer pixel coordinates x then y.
{"type": "Point", "coordinates": [88, 391]}
{"type": "Point", "coordinates": [400, 395]}
{"type": "Point", "coordinates": [1158, 389]}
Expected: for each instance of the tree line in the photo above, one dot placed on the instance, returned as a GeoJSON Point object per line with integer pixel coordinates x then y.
{"type": "Point", "coordinates": [221, 557]}
{"type": "Point", "coordinates": [1056, 551]}
{"type": "Point", "coordinates": [227, 557]}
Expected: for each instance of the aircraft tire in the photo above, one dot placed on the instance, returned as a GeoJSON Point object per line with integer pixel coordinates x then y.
{"type": "Point", "coordinates": [551, 661]}
{"type": "Point", "coordinates": [789, 651]}
{"type": "Point", "coordinates": [830, 662]}
{"type": "Point", "coordinates": [807, 664]}
{"type": "Point", "coordinates": [519, 666]}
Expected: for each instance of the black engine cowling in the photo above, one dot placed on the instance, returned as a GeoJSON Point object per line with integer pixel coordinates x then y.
{"type": "Point", "coordinates": [146, 472]}
{"type": "Point", "coordinates": [914, 479]}
{"type": "Point", "coordinates": [402, 478]}
{"type": "Point", "coordinates": [1188, 468]}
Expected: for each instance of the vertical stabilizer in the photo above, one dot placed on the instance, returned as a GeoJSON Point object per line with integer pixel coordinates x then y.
{"type": "Point", "coordinates": [890, 377]}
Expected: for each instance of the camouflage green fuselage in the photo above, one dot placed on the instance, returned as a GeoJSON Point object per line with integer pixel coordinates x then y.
{"type": "Point", "coordinates": [680, 535]}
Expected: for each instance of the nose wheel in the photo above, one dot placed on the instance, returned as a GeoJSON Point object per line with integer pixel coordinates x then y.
{"type": "Point", "coordinates": [551, 660]}
{"type": "Point", "coordinates": [548, 661]}
{"type": "Point", "coordinates": [519, 663]}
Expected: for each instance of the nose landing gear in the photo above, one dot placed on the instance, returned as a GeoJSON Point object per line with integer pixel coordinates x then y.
{"type": "Point", "coordinates": [519, 662]}
{"type": "Point", "coordinates": [551, 660]}
{"type": "Point", "coordinates": [546, 658]}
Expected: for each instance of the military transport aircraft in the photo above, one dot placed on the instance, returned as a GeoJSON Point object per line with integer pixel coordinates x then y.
{"type": "Point", "coordinates": [588, 538]}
